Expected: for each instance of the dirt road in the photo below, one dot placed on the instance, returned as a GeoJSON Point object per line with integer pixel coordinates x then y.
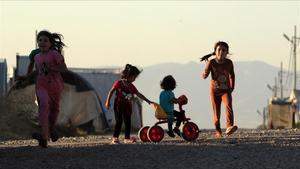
{"type": "Point", "coordinates": [246, 149]}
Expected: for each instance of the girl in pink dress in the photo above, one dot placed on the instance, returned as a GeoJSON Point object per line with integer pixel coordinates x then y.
{"type": "Point", "coordinates": [49, 64]}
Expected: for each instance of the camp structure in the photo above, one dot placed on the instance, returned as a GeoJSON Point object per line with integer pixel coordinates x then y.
{"type": "Point", "coordinates": [3, 77]}
{"type": "Point", "coordinates": [284, 111]}
{"type": "Point", "coordinates": [80, 104]}
{"type": "Point", "coordinates": [102, 79]}
{"type": "Point", "coordinates": [281, 113]}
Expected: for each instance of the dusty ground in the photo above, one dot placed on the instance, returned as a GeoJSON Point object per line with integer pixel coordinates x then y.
{"type": "Point", "coordinates": [258, 149]}
{"type": "Point", "coordinates": [245, 149]}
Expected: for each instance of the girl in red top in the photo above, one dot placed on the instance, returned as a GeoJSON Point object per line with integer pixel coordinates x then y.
{"type": "Point", "coordinates": [49, 63]}
{"type": "Point", "coordinates": [122, 105]}
{"type": "Point", "coordinates": [221, 85]}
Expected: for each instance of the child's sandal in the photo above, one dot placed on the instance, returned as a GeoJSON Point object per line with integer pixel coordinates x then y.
{"type": "Point", "coordinates": [130, 141]}
{"type": "Point", "coordinates": [115, 140]}
{"type": "Point", "coordinates": [42, 142]}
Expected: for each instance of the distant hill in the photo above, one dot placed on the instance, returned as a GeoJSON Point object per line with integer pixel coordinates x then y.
{"type": "Point", "coordinates": [250, 94]}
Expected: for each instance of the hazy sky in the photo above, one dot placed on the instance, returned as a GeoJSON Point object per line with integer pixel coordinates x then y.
{"type": "Point", "coordinates": [100, 33]}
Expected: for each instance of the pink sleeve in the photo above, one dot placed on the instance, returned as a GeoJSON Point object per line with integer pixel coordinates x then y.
{"type": "Point", "coordinates": [58, 58]}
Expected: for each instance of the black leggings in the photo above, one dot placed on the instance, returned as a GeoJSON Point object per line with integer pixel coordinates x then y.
{"type": "Point", "coordinates": [179, 116]}
{"type": "Point", "coordinates": [120, 116]}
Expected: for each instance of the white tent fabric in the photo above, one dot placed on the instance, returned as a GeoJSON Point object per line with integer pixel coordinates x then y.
{"type": "Point", "coordinates": [81, 103]}
{"type": "Point", "coordinates": [102, 80]}
{"type": "Point", "coordinates": [84, 107]}
{"type": "Point", "coordinates": [136, 116]}
{"type": "Point", "coordinates": [281, 113]}
{"type": "Point", "coordinates": [281, 116]}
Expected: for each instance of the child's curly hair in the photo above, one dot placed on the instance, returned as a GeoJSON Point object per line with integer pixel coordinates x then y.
{"type": "Point", "coordinates": [130, 71]}
{"type": "Point", "coordinates": [168, 83]}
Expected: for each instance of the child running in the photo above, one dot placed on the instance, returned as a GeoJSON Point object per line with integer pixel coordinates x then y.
{"type": "Point", "coordinates": [221, 86]}
{"type": "Point", "coordinates": [49, 63]}
{"type": "Point", "coordinates": [167, 100]}
{"type": "Point", "coordinates": [125, 91]}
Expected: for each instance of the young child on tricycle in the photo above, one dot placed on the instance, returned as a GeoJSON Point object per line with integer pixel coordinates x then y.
{"type": "Point", "coordinates": [165, 113]}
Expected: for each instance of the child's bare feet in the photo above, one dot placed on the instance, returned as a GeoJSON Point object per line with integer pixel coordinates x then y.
{"type": "Point", "coordinates": [218, 133]}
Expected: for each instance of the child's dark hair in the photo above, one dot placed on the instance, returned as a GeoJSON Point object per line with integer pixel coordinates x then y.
{"type": "Point", "coordinates": [168, 83]}
{"type": "Point", "coordinates": [220, 43]}
{"type": "Point", "coordinates": [55, 39]}
{"type": "Point", "coordinates": [130, 71]}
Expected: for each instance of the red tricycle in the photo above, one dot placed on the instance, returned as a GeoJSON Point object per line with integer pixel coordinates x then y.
{"type": "Point", "coordinates": [190, 130]}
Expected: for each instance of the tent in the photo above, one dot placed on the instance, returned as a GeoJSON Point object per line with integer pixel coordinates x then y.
{"type": "Point", "coordinates": [80, 103]}
{"type": "Point", "coordinates": [281, 113]}
{"type": "Point", "coordinates": [101, 80]}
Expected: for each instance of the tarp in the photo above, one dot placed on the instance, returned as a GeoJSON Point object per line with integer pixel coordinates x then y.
{"type": "Point", "coordinates": [80, 103]}
{"type": "Point", "coordinates": [102, 80]}
{"type": "Point", "coordinates": [281, 114]}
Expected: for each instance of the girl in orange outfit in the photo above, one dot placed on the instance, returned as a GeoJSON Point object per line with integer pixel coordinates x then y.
{"type": "Point", "coordinates": [221, 85]}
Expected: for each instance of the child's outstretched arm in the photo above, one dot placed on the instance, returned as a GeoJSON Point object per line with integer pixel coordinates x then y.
{"type": "Point", "coordinates": [140, 95]}
{"type": "Point", "coordinates": [207, 70]}
{"type": "Point", "coordinates": [174, 100]}
{"type": "Point", "coordinates": [232, 78]}
{"type": "Point", "coordinates": [23, 81]}
{"type": "Point", "coordinates": [107, 103]}
{"type": "Point", "coordinates": [27, 76]}
{"type": "Point", "coordinates": [30, 67]}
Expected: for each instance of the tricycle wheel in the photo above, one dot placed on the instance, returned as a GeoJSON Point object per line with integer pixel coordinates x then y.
{"type": "Point", "coordinates": [190, 131]}
{"type": "Point", "coordinates": [155, 134]}
{"type": "Point", "coordinates": [143, 134]}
